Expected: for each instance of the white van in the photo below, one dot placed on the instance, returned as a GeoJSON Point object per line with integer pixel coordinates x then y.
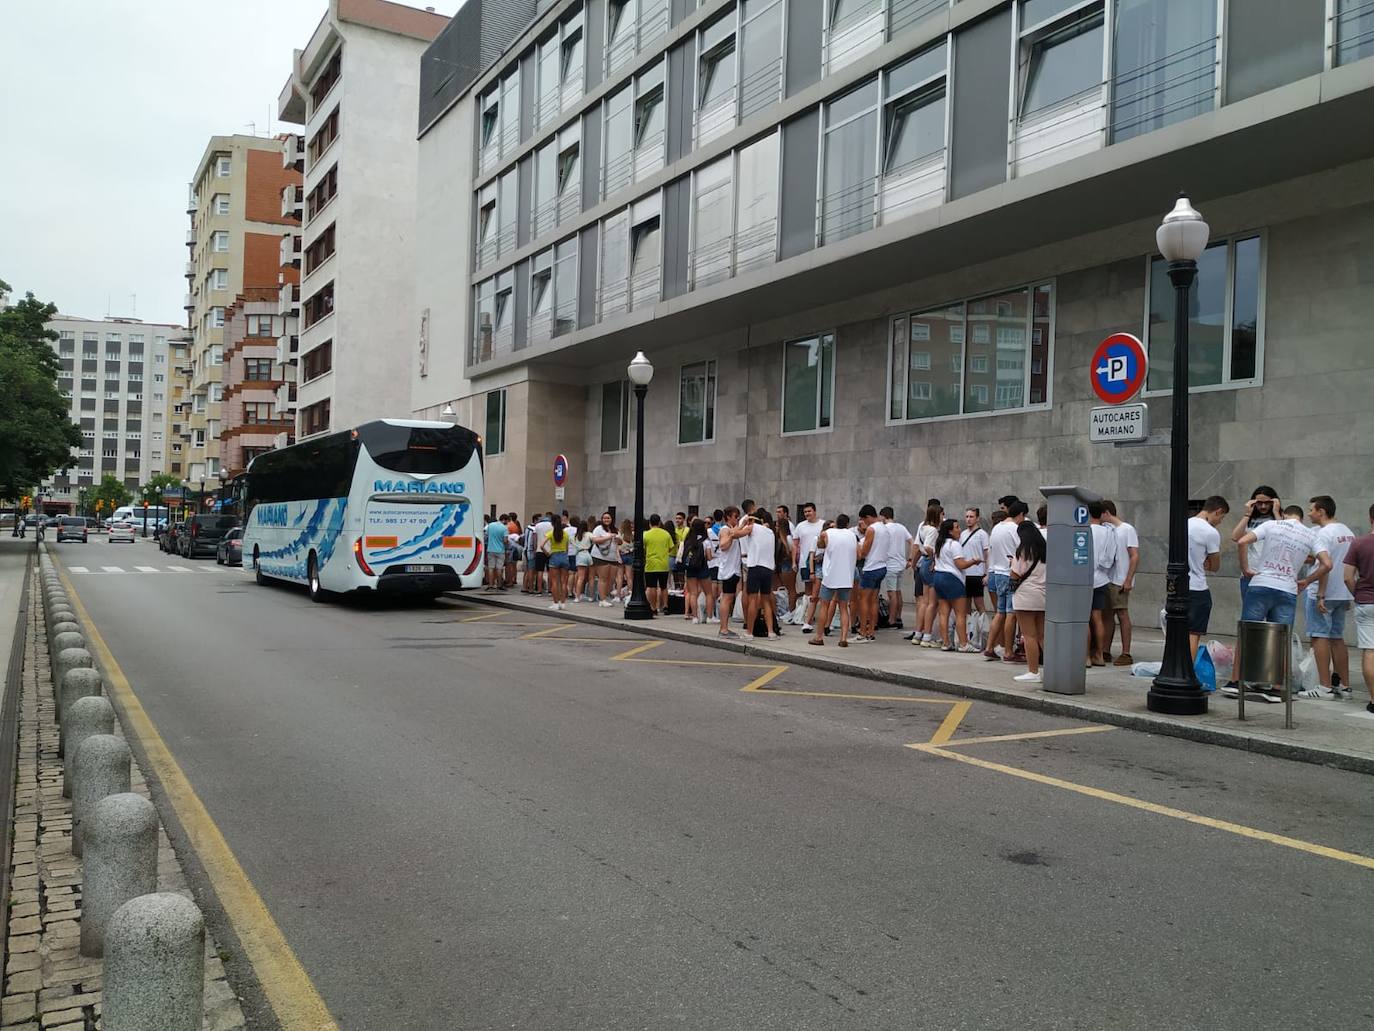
{"type": "Point", "coordinates": [134, 515]}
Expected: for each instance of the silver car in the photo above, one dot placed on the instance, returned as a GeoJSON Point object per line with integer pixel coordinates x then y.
{"type": "Point", "coordinates": [122, 531]}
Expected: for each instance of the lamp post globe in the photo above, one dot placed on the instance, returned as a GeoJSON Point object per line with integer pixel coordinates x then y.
{"type": "Point", "coordinates": [640, 372]}
{"type": "Point", "coordinates": [1182, 237]}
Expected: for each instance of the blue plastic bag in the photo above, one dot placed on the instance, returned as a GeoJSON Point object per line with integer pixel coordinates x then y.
{"type": "Point", "coordinates": [1205, 669]}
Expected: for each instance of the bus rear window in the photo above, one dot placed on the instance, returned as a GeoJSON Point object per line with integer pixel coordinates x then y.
{"type": "Point", "coordinates": [416, 449]}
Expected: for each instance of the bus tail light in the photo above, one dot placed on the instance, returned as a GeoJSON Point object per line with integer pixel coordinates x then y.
{"type": "Point", "coordinates": [476, 559]}
{"type": "Point", "coordinates": [362, 562]}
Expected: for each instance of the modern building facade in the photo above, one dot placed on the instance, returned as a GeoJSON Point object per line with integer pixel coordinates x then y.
{"type": "Point", "coordinates": [252, 418]}
{"type": "Point", "coordinates": [243, 196]}
{"type": "Point", "coordinates": [115, 374]}
{"type": "Point", "coordinates": [870, 247]}
{"type": "Point", "coordinates": [348, 87]}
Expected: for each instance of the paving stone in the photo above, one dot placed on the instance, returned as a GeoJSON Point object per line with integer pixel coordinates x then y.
{"type": "Point", "coordinates": [25, 925]}
{"type": "Point", "coordinates": [28, 981]}
{"type": "Point", "coordinates": [58, 1018]}
{"type": "Point", "coordinates": [23, 961]}
{"type": "Point", "coordinates": [15, 1008]}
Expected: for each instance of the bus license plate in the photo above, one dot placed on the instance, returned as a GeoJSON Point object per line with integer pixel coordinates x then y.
{"type": "Point", "coordinates": [419, 569]}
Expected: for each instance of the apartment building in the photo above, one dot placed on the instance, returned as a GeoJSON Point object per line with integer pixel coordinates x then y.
{"type": "Point", "coordinates": [870, 247]}
{"type": "Point", "coordinates": [115, 374]}
{"type": "Point", "coordinates": [359, 69]}
{"type": "Point", "coordinates": [243, 197]}
{"type": "Point", "coordinates": [252, 421]}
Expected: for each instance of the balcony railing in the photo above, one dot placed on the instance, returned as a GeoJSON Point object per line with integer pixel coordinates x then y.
{"type": "Point", "coordinates": [290, 250]}
{"type": "Point", "coordinates": [293, 152]}
{"type": "Point", "coordinates": [718, 117]}
{"type": "Point", "coordinates": [903, 14]}
{"type": "Point", "coordinates": [854, 35]}
{"type": "Point", "coordinates": [1170, 89]}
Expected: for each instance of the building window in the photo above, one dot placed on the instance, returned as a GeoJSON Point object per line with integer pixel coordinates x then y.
{"type": "Point", "coordinates": [808, 383]}
{"type": "Point", "coordinates": [712, 222]}
{"type": "Point", "coordinates": [217, 317]}
{"type": "Point", "coordinates": [495, 437]}
{"type": "Point", "coordinates": [615, 416]}
{"type": "Point", "coordinates": [544, 207]}
{"type": "Point", "coordinates": [325, 190]}
{"type": "Point", "coordinates": [987, 354]}
{"type": "Point", "coordinates": [569, 177]}
{"type": "Point", "coordinates": [216, 393]}
{"type": "Point", "coordinates": [1060, 59]}
{"type": "Point", "coordinates": [324, 136]}
{"type": "Point", "coordinates": [222, 163]}
{"type": "Point", "coordinates": [620, 33]}
{"type": "Point", "coordinates": [696, 407]}
{"type": "Point", "coordinates": [852, 29]}
{"type": "Point", "coordinates": [509, 190]}
{"type": "Point", "coordinates": [257, 370]}
{"type": "Point", "coordinates": [255, 413]}
{"type": "Point", "coordinates": [489, 130]}
{"type": "Point", "coordinates": [631, 258]}
{"type": "Point", "coordinates": [510, 112]}
{"type": "Point", "coordinates": [221, 203]}
{"type": "Point", "coordinates": [1164, 64]}
{"type": "Point", "coordinates": [549, 99]}
{"type": "Point", "coordinates": [717, 79]}
{"type": "Point", "coordinates": [1226, 321]}
{"type": "Point", "coordinates": [649, 136]}
{"type": "Point", "coordinates": [849, 163]}
{"type": "Point", "coordinates": [326, 80]}
{"type": "Point", "coordinates": [486, 224]}
{"type": "Point", "coordinates": [565, 287]}
{"type": "Point", "coordinates": [617, 166]}
{"type": "Point", "coordinates": [315, 418]}
{"type": "Point", "coordinates": [913, 174]}
{"type": "Point", "coordinates": [756, 199]}
{"type": "Point", "coordinates": [1354, 31]}
{"type": "Point", "coordinates": [261, 325]}
{"type": "Point", "coordinates": [541, 296]}
{"type": "Point", "coordinates": [319, 305]}
{"type": "Point", "coordinates": [572, 60]}
{"type": "Point", "coordinates": [320, 249]}
{"type": "Point", "coordinates": [219, 241]}
{"type": "Point", "coordinates": [317, 361]}
{"type": "Point", "coordinates": [219, 279]}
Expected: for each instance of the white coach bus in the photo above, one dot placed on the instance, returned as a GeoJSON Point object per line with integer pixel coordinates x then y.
{"type": "Point", "coordinates": [391, 506]}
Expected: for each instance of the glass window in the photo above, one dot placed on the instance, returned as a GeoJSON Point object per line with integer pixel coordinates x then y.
{"type": "Point", "coordinates": [853, 28]}
{"type": "Point", "coordinates": [713, 216]}
{"type": "Point", "coordinates": [760, 55]}
{"type": "Point", "coordinates": [510, 112]}
{"type": "Point", "coordinates": [1164, 64]}
{"type": "Point", "coordinates": [1354, 30]}
{"type": "Point", "coordinates": [569, 171]}
{"type": "Point", "coordinates": [996, 352]}
{"type": "Point", "coordinates": [1225, 323]}
{"type": "Point", "coordinates": [484, 325]}
{"type": "Point", "coordinates": [620, 32]}
{"type": "Point", "coordinates": [696, 411]}
{"type": "Point", "coordinates": [495, 437]}
{"type": "Point", "coordinates": [486, 225]}
{"type": "Point", "coordinates": [572, 60]}
{"type": "Point", "coordinates": [915, 130]}
{"type": "Point", "coordinates": [615, 265]}
{"type": "Point", "coordinates": [219, 241]}
{"type": "Point", "coordinates": [716, 79]}
{"type": "Point", "coordinates": [541, 295]}
{"type": "Point", "coordinates": [618, 169]}
{"type": "Point", "coordinates": [565, 287]}
{"type": "Point", "coordinates": [808, 383]}
{"type": "Point", "coordinates": [646, 251]}
{"type": "Point", "coordinates": [489, 138]}
{"type": "Point", "coordinates": [615, 415]}
{"type": "Point", "coordinates": [939, 335]}
{"type": "Point", "coordinates": [756, 234]}
{"type": "Point", "coordinates": [550, 82]}
{"type": "Point", "coordinates": [1062, 62]}
{"type": "Point", "coordinates": [849, 164]}
{"type": "Point", "coordinates": [649, 137]}
{"type": "Point", "coordinates": [545, 207]}
{"type": "Point", "coordinates": [509, 193]}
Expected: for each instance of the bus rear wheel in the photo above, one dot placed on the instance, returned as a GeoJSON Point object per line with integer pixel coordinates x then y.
{"type": "Point", "coordinates": [312, 579]}
{"type": "Point", "coordinates": [258, 574]}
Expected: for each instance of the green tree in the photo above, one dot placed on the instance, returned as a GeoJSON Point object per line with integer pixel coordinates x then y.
{"type": "Point", "coordinates": [36, 433]}
{"type": "Point", "coordinates": [151, 491]}
{"type": "Point", "coordinates": [111, 493]}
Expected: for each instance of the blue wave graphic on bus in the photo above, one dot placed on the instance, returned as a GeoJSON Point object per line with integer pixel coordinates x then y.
{"type": "Point", "coordinates": [323, 528]}
{"type": "Point", "coordinates": [445, 524]}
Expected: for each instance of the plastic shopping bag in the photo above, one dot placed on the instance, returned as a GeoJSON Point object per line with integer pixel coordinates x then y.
{"type": "Point", "coordinates": [1223, 658]}
{"type": "Point", "coordinates": [1146, 669]}
{"type": "Point", "coordinates": [1305, 672]}
{"type": "Point", "coordinates": [1205, 669]}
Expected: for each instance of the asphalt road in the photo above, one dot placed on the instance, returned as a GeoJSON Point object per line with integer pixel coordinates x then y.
{"type": "Point", "coordinates": [456, 825]}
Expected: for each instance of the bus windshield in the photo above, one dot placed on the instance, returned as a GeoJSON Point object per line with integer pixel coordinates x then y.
{"type": "Point", "coordinates": [418, 449]}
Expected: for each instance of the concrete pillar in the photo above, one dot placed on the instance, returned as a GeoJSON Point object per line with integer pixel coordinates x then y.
{"type": "Point", "coordinates": [67, 626]}
{"type": "Point", "coordinates": [154, 970]}
{"type": "Point", "coordinates": [100, 767]}
{"type": "Point", "coordinates": [78, 683]}
{"type": "Point", "coordinates": [64, 615]}
{"type": "Point", "coordinates": [69, 658]}
{"type": "Point", "coordinates": [120, 863]}
{"type": "Point", "coordinates": [84, 717]}
{"type": "Point", "coordinates": [59, 642]}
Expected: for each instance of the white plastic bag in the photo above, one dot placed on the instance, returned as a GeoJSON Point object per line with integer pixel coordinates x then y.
{"type": "Point", "coordinates": [1163, 619]}
{"type": "Point", "coordinates": [1304, 673]}
{"type": "Point", "coordinates": [1146, 669]}
{"type": "Point", "coordinates": [1223, 658]}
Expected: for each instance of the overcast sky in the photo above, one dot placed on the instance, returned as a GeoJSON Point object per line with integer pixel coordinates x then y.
{"type": "Point", "coordinates": [105, 109]}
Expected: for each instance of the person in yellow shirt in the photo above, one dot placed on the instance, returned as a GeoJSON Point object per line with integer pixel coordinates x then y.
{"type": "Point", "coordinates": [555, 545]}
{"type": "Point", "coordinates": [658, 545]}
{"type": "Point", "coordinates": [679, 531]}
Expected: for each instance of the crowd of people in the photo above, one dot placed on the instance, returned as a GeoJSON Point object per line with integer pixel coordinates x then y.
{"type": "Point", "coordinates": [980, 582]}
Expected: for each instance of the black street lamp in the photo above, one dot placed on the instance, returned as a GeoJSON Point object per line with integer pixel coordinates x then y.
{"type": "Point", "coordinates": [641, 371]}
{"type": "Point", "coordinates": [200, 506]}
{"type": "Point", "coordinates": [1182, 238]}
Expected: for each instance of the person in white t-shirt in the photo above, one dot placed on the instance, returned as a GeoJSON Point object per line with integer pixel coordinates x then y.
{"type": "Point", "coordinates": [927, 602]}
{"type": "Point", "coordinates": [761, 555]}
{"type": "Point", "coordinates": [1003, 542]}
{"type": "Point", "coordinates": [1104, 558]}
{"type": "Point", "coordinates": [1272, 596]}
{"type": "Point", "coordinates": [1120, 582]}
{"type": "Point", "coordinates": [1328, 599]}
{"type": "Point", "coordinates": [898, 560]}
{"type": "Point", "coordinates": [873, 555]}
{"type": "Point", "coordinates": [803, 544]}
{"type": "Point", "coordinates": [974, 540]}
{"type": "Point", "coordinates": [841, 550]}
{"type": "Point", "coordinates": [1204, 556]}
{"type": "Point", "coordinates": [728, 555]}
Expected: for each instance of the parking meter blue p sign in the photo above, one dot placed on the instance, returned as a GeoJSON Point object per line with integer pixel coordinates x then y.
{"type": "Point", "coordinates": [1118, 368]}
{"type": "Point", "coordinates": [1080, 515]}
{"type": "Point", "coordinates": [560, 470]}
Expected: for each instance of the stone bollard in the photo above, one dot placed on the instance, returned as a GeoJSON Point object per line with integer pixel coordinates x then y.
{"type": "Point", "coordinates": [68, 658]}
{"type": "Point", "coordinates": [67, 626]}
{"type": "Point", "coordinates": [59, 642]}
{"type": "Point", "coordinates": [84, 717]}
{"type": "Point", "coordinates": [55, 598]}
{"type": "Point", "coordinates": [100, 767]}
{"type": "Point", "coordinates": [64, 615]}
{"type": "Point", "coordinates": [78, 683]}
{"type": "Point", "coordinates": [154, 970]}
{"type": "Point", "coordinates": [120, 863]}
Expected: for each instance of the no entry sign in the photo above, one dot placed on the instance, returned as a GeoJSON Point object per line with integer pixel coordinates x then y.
{"type": "Point", "coordinates": [1118, 368]}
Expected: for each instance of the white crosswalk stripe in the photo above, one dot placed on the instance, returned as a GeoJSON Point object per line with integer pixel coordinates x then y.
{"type": "Point", "coordinates": [112, 569]}
{"type": "Point", "coordinates": [147, 569]}
{"type": "Point", "coordinates": [179, 569]}
{"type": "Point", "coordinates": [77, 569]}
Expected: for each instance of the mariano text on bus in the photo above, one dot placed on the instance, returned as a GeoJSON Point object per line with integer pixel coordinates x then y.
{"type": "Point", "coordinates": [391, 506]}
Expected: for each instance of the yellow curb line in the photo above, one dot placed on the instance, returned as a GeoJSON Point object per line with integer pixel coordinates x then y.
{"type": "Point", "coordinates": [285, 984]}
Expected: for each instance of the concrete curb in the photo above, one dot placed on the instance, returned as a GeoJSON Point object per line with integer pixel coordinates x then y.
{"type": "Point", "coordinates": [1148, 723]}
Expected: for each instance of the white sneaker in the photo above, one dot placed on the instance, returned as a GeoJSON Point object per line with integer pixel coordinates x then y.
{"type": "Point", "coordinates": [605, 603]}
{"type": "Point", "coordinates": [1029, 678]}
{"type": "Point", "coordinates": [999, 651]}
{"type": "Point", "coordinates": [553, 607]}
{"type": "Point", "coordinates": [808, 628]}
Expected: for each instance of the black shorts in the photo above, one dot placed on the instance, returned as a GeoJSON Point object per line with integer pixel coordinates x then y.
{"type": "Point", "coordinates": [730, 584]}
{"type": "Point", "coordinates": [760, 581]}
{"type": "Point", "coordinates": [973, 586]}
{"type": "Point", "coordinates": [697, 572]}
{"type": "Point", "coordinates": [655, 580]}
{"type": "Point", "coordinates": [541, 562]}
{"type": "Point", "coordinates": [1199, 611]}
{"type": "Point", "coordinates": [1100, 598]}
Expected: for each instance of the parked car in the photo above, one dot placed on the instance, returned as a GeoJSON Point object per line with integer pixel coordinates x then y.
{"type": "Point", "coordinates": [122, 531]}
{"type": "Point", "coordinates": [71, 528]}
{"type": "Point", "coordinates": [167, 537]}
{"type": "Point", "coordinates": [93, 524]}
{"type": "Point", "coordinates": [203, 534]}
{"type": "Point", "coordinates": [229, 551]}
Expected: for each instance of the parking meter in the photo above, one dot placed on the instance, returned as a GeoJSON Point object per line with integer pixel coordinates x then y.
{"type": "Point", "coordinates": [1068, 588]}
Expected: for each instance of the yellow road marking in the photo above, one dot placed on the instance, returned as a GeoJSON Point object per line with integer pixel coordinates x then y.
{"type": "Point", "coordinates": [284, 982]}
{"type": "Point", "coordinates": [859, 697]}
{"type": "Point", "coordinates": [478, 619]}
{"type": "Point", "coordinates": [638, 649]}
{"type": "Point", "coordinates": [1253, 833]}
{"type": "Point", "coordinates": [951, 723]}
{"type": "Point", "coordinates": [547, 631]}
{"type": "Point", "coordinates": [758, 682]}
{"type": "Point", "coordinates": [1021, 737]}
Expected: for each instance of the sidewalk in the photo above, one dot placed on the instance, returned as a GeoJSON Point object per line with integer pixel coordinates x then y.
{"type": "Point", "coordinates": [1326, 732]}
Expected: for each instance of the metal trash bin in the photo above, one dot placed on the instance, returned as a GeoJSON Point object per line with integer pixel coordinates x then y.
{"type": "Point", "coordinates": [1263, 657]}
